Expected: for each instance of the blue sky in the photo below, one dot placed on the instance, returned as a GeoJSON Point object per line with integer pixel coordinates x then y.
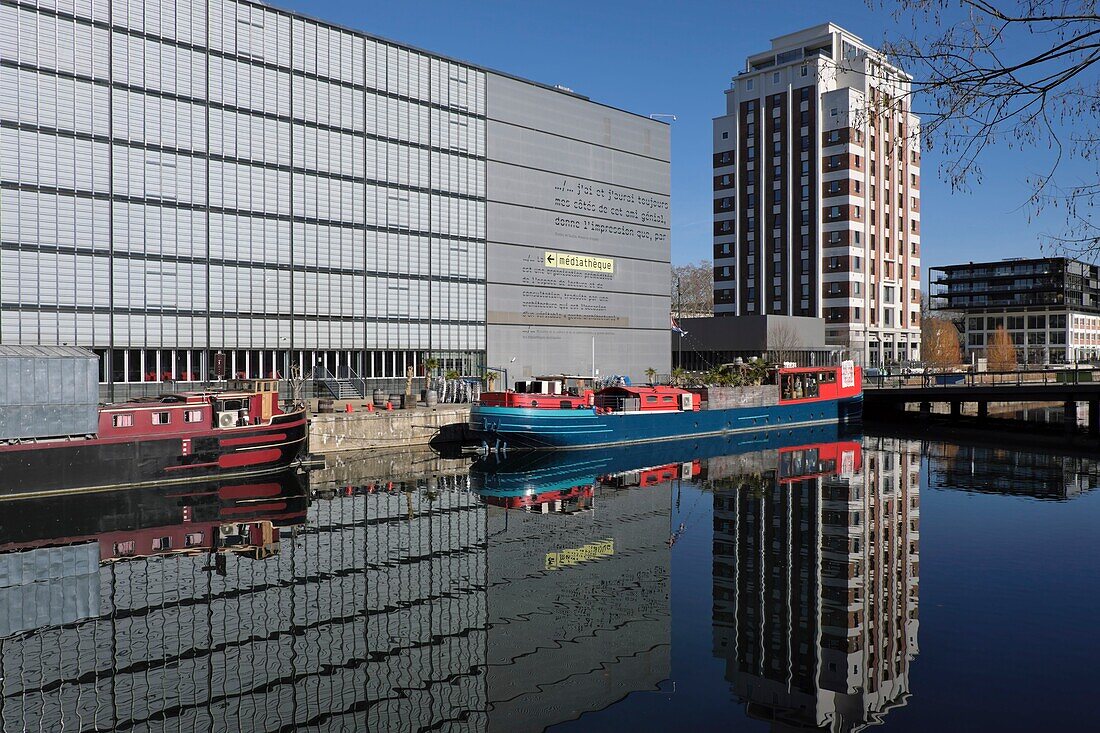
{"type": "Point", "coordinates": [678, 57]}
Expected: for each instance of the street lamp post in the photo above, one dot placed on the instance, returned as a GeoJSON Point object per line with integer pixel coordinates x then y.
{"type": "Point", "coordinates": [679, 326]}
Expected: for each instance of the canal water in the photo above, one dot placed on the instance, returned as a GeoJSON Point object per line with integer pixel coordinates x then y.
{"type": "Point", "coordinates": [775, 582]}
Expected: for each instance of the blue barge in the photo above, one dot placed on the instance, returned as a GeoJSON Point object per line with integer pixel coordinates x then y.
{"type": "Point", "coordinates": [801, 396]}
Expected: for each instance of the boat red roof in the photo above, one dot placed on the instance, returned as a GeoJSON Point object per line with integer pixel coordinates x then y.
{"type": "Point", "coordinates": [642, 391]}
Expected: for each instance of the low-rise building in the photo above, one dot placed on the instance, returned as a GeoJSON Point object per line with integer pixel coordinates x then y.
{"type": "Point", "coordinates": [1050, 306]}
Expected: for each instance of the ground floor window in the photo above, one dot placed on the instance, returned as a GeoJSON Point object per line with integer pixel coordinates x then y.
{"type": "Point", "coordinates": [197, 365]}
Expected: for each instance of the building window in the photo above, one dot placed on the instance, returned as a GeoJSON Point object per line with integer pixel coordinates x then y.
{"type": "Point", "coordinates": [123, 421]}
{"type": "Point", "coordinates": [725, 135]}
{"type": "Point", "coordinates": [775, 78]}
{"type": "Point", "coordinates": [748, 85]}
{"type": "Point", "coordinates": [804, 71]}
{"type": "Point", "coordinates": [832, 112]}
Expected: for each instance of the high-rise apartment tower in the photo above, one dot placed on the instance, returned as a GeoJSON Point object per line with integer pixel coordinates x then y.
{"type": "Point", "coordinates": [817, 193]}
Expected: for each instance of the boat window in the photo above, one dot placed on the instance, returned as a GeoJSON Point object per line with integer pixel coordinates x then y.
{"type": "Point", "coordinates": [827, 377]}
{"type": "Point", "coordinates": [162, 543]}
{"type": "Point", "coordinates": [651, 398]}
{"type": "Point", "coordinates": [192, 539]}
{"type": "Point", "coordinates": [123, 421]}
{"type": "Point", "coordinates": [799, 386]}
{"type": "Point", "coordinates": [192, 416]}
{"type": "Point", "coordinates": [226, 405]}
{"type": "Point", "coordinates": [123, 549]}
{"type": "Point", "coordinates": [668, 398]}
{"type": "Point", "coordinates": [162, 418]}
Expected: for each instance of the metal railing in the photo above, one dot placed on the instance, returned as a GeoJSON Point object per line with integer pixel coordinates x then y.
{"type": "Point", "coordinates": [961, 378]}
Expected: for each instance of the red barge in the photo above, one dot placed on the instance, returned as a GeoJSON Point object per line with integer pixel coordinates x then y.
{"type": "Point", "coordinates": [174, 438]}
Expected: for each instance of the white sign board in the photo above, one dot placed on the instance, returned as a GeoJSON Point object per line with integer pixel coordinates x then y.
{"type": "Point", "coordinates": [847, 374]}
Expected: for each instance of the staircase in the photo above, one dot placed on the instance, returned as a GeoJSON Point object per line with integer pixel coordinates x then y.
{"type": "Point", "coordinates": [347, 386]}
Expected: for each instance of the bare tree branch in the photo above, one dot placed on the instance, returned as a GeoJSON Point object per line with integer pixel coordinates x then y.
{"type": "Point", "coordinates": [1018, 73]}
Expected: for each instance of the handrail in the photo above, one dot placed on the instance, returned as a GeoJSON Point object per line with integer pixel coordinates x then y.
{"type": "Point", "coordinates": [1016, 378]}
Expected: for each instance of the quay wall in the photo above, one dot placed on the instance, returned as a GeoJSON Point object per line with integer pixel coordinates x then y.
{"type": "Point", "coordinates": [397, 465]}
{"type": "Point", "coordinates": [349, 431]}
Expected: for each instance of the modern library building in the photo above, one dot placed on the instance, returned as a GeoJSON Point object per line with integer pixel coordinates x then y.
{"type": "Point", "coordinates": [180, 178]}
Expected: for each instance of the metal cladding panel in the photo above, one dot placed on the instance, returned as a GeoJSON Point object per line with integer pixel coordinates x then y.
{"type": "Point", "coordinates": [544, 151]}
{"type": "Point", "coordinates": [574, 233]}
{"type": "Point", "coordinates": [541, 350]}
{"type": "Point", "coordinates": [524, 104]}
{"type": "Point", "coordinates": [47, 392]}
{"type": "Point", "coordinates": [577, 223]}
{"type": "Point", "coordinates": [554, 306]}
{"type": "Point", "coordinates": [630, 277]}
{"type": "Point", "coordinates": [50, 586]}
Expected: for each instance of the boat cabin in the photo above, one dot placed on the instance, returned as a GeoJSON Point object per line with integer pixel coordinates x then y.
{"type": "Point", "coordinates": [806, 384]}
{"type": "Point", "coordinates": [245, 403]}
{"type": "Point", "coordinates": [635, 399]}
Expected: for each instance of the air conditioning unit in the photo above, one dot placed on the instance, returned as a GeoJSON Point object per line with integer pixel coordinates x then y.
{"type": "Point", "coordinates": [227, 419]}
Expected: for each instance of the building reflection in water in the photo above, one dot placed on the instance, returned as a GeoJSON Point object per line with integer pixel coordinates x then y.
{"type": "Point", "coordinates": [509, 597]}
{"type": "Point", "coordinates": [578, 585]}
{"type": "Point", "coordinates": [816, 566]}
{"type": "Point", "coordinates": [995, 470]}
{"type": "Point", "coordinates": [382, 606]}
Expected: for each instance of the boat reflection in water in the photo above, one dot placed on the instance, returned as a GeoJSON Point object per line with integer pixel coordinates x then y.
{"type": "Point", "coordinates": [816, 566]}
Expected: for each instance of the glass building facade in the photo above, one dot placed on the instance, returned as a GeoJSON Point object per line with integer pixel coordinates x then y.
{"type": "Point", "coordinates": [183, 177]}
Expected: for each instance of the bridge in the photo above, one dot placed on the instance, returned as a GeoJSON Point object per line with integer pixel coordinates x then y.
{"type": "Point", "coordinates": [885, 394]}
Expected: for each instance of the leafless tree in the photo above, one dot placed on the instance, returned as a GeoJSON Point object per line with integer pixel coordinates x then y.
{"type": "Point", "coordinates": [695, 282]}
{"type": "Point", "coordinates": [1022, 73]}
{"type": "Point", "coordinates": [782, 342]}
{"type": "Point", "coordinates": [1001, 352]}
{"type": "Point", "coordinates": [939, 343]}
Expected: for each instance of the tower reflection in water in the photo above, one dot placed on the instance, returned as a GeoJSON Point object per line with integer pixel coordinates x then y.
{"type": "Point", "coordinates": [816, 567]}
